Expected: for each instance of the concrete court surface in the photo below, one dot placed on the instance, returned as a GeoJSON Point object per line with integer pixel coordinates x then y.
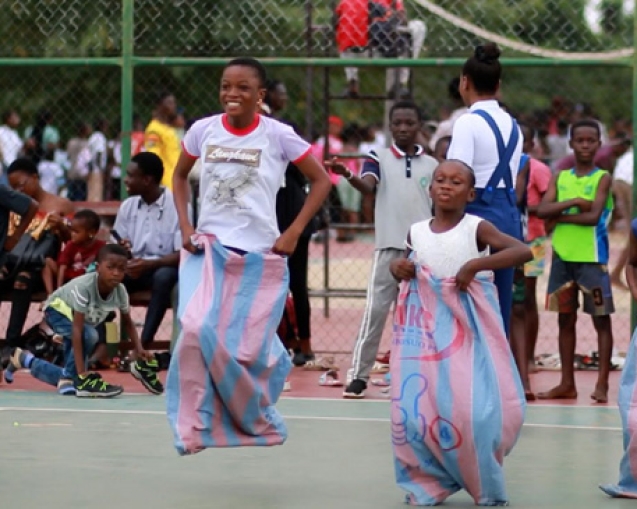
{"type": "Point", "coordinates": [66, 453]}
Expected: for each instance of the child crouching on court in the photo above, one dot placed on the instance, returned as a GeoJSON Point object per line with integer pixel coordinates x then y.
{"type": "Point", "coordinates": [627, 401]}
{"type": "Point", "coordinates": [457, 403]}
{"type": "Point", "coordinates": [73, 311]}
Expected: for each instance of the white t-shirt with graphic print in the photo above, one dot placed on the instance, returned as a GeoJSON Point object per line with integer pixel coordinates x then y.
{"type": "Point", "coordinates": [241, 173]}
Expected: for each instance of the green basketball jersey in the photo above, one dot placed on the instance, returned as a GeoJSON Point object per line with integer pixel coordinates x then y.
{"type": "Point", "coordinates": [580, 243]}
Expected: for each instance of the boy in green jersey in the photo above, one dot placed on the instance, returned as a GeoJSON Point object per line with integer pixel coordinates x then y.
{"type": "Point", "coordinates": [578, 204]}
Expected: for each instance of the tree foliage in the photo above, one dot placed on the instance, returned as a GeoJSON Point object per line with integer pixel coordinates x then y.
{"type": "Point", "coordinates": [80, 28]}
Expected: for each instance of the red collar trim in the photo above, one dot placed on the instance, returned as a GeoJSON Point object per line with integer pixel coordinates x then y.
{"type": "Point", "coordinates": [400, 154]}
{"type": "Point", "coordinates": [240, 132]}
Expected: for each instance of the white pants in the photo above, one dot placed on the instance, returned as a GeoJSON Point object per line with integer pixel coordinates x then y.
{"type": "Point", "coordinates": [416, 29]}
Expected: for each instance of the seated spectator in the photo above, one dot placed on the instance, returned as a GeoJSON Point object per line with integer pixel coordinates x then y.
{"type": "Point", "coordinates": [147, 225]}
{"type": "Point", "coordinates": [78, 254]}
{"type": "Point", "coordinates": [52, 215]}
{"type": "Point", "coordinates": [377, 28]}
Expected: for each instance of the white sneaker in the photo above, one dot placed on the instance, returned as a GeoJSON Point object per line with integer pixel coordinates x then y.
{"type": "Point", "coordinates": [66, 387]}
{"type": "Point", "coordinates": [287, 386]}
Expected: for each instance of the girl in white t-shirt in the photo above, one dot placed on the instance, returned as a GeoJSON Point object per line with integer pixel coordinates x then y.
{"type": "Point", "coordinates": [229, 367]}
{"type": "Point", "coordinates": [457, 404]}
{"type": "Point", "coordinates": [244, 156]}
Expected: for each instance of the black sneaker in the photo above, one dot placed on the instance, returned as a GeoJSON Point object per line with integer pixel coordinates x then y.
{"type": "Point", "coordinates": [301, 359]}
{"type": "Point", "coordinates": [146, 373]}
{"type": "Point", "coordinates": [92, 385]}
{"type": "Point", "coordinates": [356, 389]}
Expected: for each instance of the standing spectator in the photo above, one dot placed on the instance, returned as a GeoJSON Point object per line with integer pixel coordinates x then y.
{"type": "Point", "coordinates": [79, 163]}
{"type": "Point", "coordinates": [441, 148]}
{"type": "Point", "coordinates": [377, 26]}
{"type": "Point", "coordinates": [10, 142]}
{"type": "Point", "coordinates": [445, 127]}
{"type": "Point", "coordinates": [114, 181]}
{"type": "Point", "coordinates": [400, 177]}
{"type": "Point", "coordinates": [41, 137]}
{"type": "Point", "coordinates": [161, 136]}
{"type": "Point", "coordinates": [539, 179]}
{"type": "Point", "coordinates": [137, 137]}
{"type": "Point", "coordinates": [276, 97]}
{"type": "Point", "coordinates": [148, 227]}
{"type": "Point", "coordinates": [51, 173]}
{"type": "Point", "coordinates": [349, 197]}
{"type": "Point", "coordinates": [335, 146]}
{"type": "Point", "coordinates": [578, 203]}
{"type": "Point", "coordinates": [489, 140]}
{"type": "Point", "coordinates": [98, 147]}
{"type": "Point", "coordinates": [623, 191]}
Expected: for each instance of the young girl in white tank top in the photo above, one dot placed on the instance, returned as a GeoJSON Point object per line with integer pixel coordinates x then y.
{"type": "Point", "coordinates": [457, 403]}
{"type": "Point", "coordinates": [446, 252]}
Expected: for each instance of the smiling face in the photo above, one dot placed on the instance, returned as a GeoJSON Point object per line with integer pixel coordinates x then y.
{"type": "Point", "coordinates": [240, 93]}
{"type": "Point", "coordinates": [452, 186]}
{"type": "Point", "coordinates": [135, 181]}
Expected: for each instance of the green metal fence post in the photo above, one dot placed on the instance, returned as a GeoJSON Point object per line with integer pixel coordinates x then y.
{"type": "Point", "coordinates": [633, 306]}
{"type": "Point", "coordinates": [127, 85]}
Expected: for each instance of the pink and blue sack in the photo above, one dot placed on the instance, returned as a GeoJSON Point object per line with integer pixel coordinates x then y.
{"type": "Point", "coordinates": [457, 403]}
{"type": "Point", "coordinates": [627, 486]}
{"type": "Point", "coordinates": [228, 367]}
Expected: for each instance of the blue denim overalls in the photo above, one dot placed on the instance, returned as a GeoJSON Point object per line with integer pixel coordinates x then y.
{"type": "Point", "coordinates": [499, 206]}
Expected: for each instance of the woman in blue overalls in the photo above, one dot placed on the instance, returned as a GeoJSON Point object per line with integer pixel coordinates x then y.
{"type": "Point", "coordinates": [489, 140]}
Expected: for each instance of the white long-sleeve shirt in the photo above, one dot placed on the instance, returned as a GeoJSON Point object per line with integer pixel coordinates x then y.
{"type": "Point", "coordinates": [473, 142]}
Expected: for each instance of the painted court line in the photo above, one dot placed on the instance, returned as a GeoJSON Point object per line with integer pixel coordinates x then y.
{"type": "Point", "coordinates": [593, 406]}
{"type": "Point", "coordinates": [290, 417]}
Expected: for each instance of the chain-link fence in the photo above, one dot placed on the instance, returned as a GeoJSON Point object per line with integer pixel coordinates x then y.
{"type": "Point", "coordinates": [73, 59]}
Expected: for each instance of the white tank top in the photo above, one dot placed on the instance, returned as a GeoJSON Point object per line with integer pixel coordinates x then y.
{"type": "Point", "coordinates": [445, 253]}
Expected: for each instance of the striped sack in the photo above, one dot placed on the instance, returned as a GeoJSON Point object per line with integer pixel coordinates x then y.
{"type": "Point", "coordinates": [229, 366]}
{"type": "Point", "coordinates": [627, 487]}
{"type": "Point", "coordinates": [457, 403]}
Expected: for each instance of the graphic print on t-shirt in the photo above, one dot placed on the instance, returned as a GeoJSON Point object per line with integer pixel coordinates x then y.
{"type": "Point", "coordinates": [227, 190]}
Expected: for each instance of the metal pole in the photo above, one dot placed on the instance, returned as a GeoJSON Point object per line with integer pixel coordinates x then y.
{"type": "Point", "coordinates": [128, 41]}
{"type": "Point", "coordinates": [309, 74]}
{"type": "Point", "coordinates": [326, 152]}
{"type": "Point", "coordinates": [633, 305]}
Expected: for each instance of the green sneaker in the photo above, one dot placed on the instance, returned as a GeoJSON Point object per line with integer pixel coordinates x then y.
{"type": "Point", "coordinates": [92, 385]}
{"type": "Point", "coordinates": [146, 373]}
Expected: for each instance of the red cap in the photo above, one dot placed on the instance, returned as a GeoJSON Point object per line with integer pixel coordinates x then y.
{"type": "Point", "coordinates": [335, 120]}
